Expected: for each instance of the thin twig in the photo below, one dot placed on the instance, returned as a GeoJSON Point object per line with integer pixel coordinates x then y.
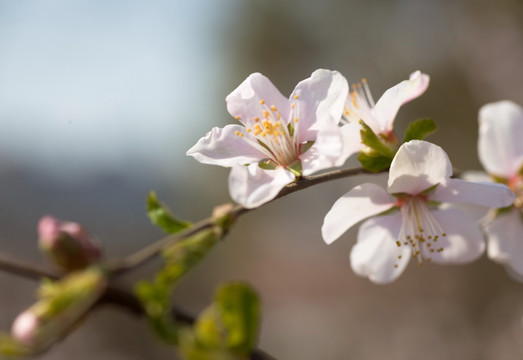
{"type": "Point", "coordinates": [118, 266]}
{"type": "Point", "coordinates": [25, 269]}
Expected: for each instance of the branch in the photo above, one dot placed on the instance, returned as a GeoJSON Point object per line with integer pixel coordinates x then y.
{"type": "Point", "coordinates": [118, 266]}
{"type": "Point", "coordinates": [112, 296]}
{"type": "Point", "coordinates": [22, 268]}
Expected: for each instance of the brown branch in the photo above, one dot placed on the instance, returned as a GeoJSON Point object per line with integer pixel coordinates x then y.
{"type": "Point", "coordinates": [112, 296]}
{"type": "Point", "coordinates": [118, 266]}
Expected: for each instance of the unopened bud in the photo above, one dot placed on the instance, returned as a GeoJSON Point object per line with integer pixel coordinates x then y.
{"type": "Point", "coordinates": [61, 306]}
{"type": "Point", "coordinates": [67, 244]}
{"type": "Point", "coordinates": [25, 328]}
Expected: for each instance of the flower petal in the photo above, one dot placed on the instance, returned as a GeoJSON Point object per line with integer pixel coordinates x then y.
{"type": "Point", "coordinates": [505, 244]}
{"type": "Point", "coordinates": [325, 151]}
{"type": "Point", "coordinates": [390, 102]}
{"type": "Point", "coordinates": [222, 147]}
{"type": "Point", "coordinates": [319, 103]}
{"type": "Point", "coordinates": [487, 194]}
{"type": "Point", "coordinates": [351, 142]}
{"type": "Point", "coordinates": [500, 147]}
{"type": "Point", "coordinates": [359, 203]}
{"type": "Point", "coordinates": [245, 101]}
{"type": "Point", "coordinates": [376, 254]}
{"type": "Point", "coordinates": [417, 166]}
{"type": "Point", "coordinates": [252, 186]}
{"type": "Point", "coordinates": [463, 242]}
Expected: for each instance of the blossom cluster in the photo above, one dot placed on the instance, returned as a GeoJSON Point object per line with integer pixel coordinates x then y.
{"type": "Point", "coordinates": [325, 121]}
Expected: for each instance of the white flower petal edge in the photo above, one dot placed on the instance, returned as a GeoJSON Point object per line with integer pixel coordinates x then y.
{"type": "Point", "coordinates": [252, 186]}
{"type": "Point", "coordinates": [359, 203]}
{"type": "Point", "coordinates": [351, 141]}
{"type": "Point", "coordinates": [417, 166]}
{"type": "Point", "coordinates": [319, 100]}
{"type": "Point", "coordinates": [505, 244]}
{"type": "Point", "coordinates": [325, 152]}
{"type": "Point", "coordinates": [463, 242]}
{"type": "Point", "coordinates": [222, 147]}
{"type": "Point", "coordinates": [376, 254]}
{"type": "Point", "coordinates": [490, 195]}
{"type": "Point", "coordinates": [253, 96]}
{"type": "Point", "coordinates": [388, 105]}
{"type": "Point", "coordinates": [500, 147]}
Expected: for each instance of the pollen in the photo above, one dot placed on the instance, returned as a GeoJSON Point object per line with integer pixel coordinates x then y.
{"type": "Point", "coordinates": [256, 119]}
{"type": "Point", "coordinates": [296, 120]}
{"type": "Point", "coordinates": [296, 97]}
{"type": "Point", "coordinates": [419, 229]}
{"type": "Point", "coordinates": [293, 105]}
{"type": "Point", "coordinates": [273, 108]}
{"type": "Point", "coordinates": [237, 117]}
{"type": "Point", "coordinates": [262, 102]}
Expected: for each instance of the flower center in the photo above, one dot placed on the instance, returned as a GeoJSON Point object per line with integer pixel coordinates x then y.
{"type": "Point", "coordinates": [274, 138]}
{"type": "Point", "coordinates": [359, 106]}
{"type": "Point", "coordinates": [419, 229]}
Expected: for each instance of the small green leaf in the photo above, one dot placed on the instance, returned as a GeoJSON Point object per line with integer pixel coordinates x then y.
{"type": "Point", "coordinates": [155, 295]}
{"type": "Point", "coordinates": [162, 217]}
{"type": "Point", "coordinates": [296, 168]}
{"type": "Point", "coordinates": [370, 139]}
{"type": "Point", "coordinates": [267, 164]}
{"type": "Point", "coordinates": [12, 348]}
{"type": "Point", "coordinates": [374, 162]}
{"type": "Point", "coordinates": [232, 321]}
{"type": "Point", "coordinates": [420, 129]}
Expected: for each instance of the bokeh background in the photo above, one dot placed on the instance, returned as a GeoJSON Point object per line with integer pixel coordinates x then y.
{"type": "Point", "coordinates": [99, 100]}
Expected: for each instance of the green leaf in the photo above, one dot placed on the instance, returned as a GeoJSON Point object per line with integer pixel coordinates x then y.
{"type": "Point", "coordinates": [162, 217]}
{"type": "Point", "coordinates": [420, 129]}
{"type": "Point", "coordinates": [374, 162]}
{"type": "Point", "coordinates": [155, 295]}
{"type": "Point", "coordinates": [12, 348]}
{"type": "Point", "coordinates": [370, 139]}
{"type": "Point", "coordinates": [232, 321]}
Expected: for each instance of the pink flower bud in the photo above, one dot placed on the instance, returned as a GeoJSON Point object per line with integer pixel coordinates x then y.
{"type": "Point", "coordinates": [67, 244]}
{"type": "Point", "coordinates": [25, 328]}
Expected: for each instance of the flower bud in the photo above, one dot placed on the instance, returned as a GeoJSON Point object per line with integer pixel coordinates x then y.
{"type": "Point", "coordinates": [67, 244]}
{"type": "Point", "coordinates": [25, 328]}
{"type": "Point", "coordinates": [61, 306]}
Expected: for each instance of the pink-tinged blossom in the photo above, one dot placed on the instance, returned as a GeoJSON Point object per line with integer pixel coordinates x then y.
{"type": "Point", "coordinates": [67, 244]}
{"type": "Point", "coordinates": [500, 149]}
{"type": "Point", "coordinates": [279, 138]}
{"type": "Point", "coordinates": [411, 224]}
{"type": "Point", "coordinates": [378, 116]}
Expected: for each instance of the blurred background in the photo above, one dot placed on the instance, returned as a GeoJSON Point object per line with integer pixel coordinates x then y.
{"type": "Point", "coordinates": [99, 101]}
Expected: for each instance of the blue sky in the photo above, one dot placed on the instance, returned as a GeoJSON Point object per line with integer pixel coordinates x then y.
{"type": "Point", "coordinates": [91, 86]}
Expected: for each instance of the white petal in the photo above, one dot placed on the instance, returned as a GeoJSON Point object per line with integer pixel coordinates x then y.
{"type": "Point", "coordinates": [487, 194]}
{"type": "Point", "coordinates": [500, 147]}
{"type": "Point", "coordinates": [463, 242]}
{"type": "Point", "coordinates": [244, 101]}
{"type": "Point", "coordinates": [252, 186]}
{"type": "Point", "coordinates": [390, 102]}
{"type": "Point", "coordinates": [351, 142]}
{"type": "Point", "coordinates": [361, 202]}
{"type": "Point", "coordinates": [325, 151]}
{"type": "Point", "coordinates": [476, 176]}
{"type": "Point", "coordinates": [320, 102]}
{"type": "Point", "coordinates": [222, 147]}
{"type": "Point", "coordinates": [505, 240]}
{"type": "Point", "coordinates": [376, 253]}
{"type": "Point", "coordinates": [417, 166]}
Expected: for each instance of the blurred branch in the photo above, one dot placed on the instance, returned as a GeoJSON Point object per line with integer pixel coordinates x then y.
{"type": "Point", "coordinates": [25, 269]}
{"type": "Point", "coordinates": [116, 266]}
{"type": "Point", "coordinates": [113, 295]}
